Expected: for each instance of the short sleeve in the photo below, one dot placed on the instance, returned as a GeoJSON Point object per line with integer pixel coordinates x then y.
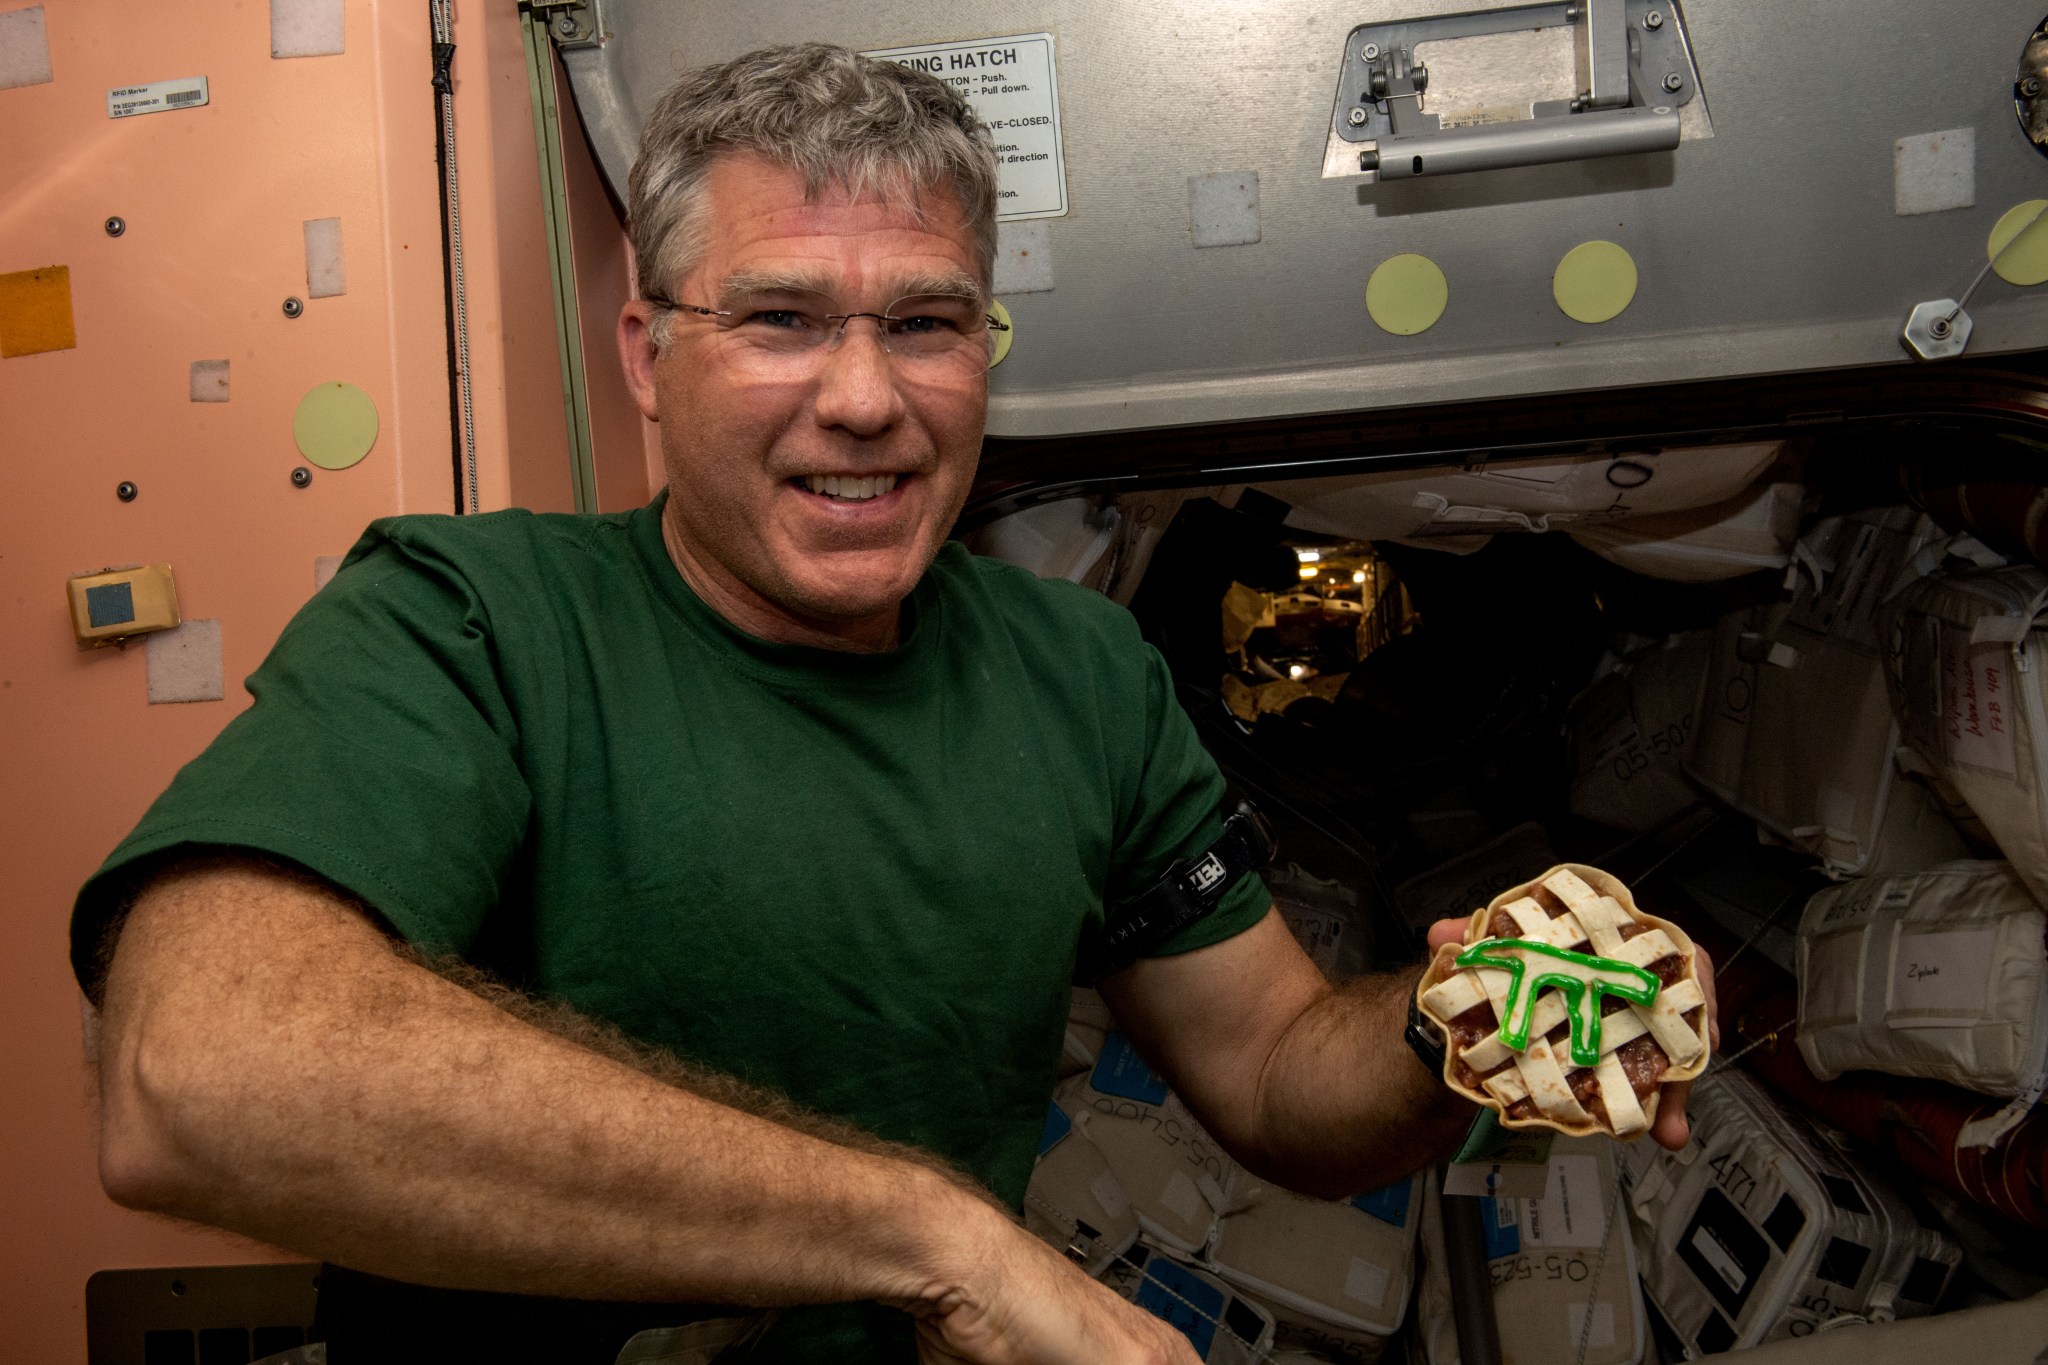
{"type": "Point", "coordinates": [380, 753]}
{"type": "Point", "coordinates": [1177, 812]}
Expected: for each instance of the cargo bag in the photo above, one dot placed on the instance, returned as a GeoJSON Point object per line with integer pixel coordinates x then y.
{"type": "Point", "coordinates": [1335, 1275]}
{"type": "Point", "coordinates": [1939, 974]}
{"type": "Point", "coordinates": [1763, 1229]}
{"type": "Point", "coordinates": [1074, 1200]}
{"type": "Point", "coordinates": [1749, 533]}
{"type": "Point", "coordinates": [1223, 1327]}
{"type": "Point", "coordinates": [1968, 694]}
{"type": "Point", "coordinates": [1796, 727]}
{"type": "Point", "coordinates": [1458, 510]}
{"type": "Point", "coordinates": [1564, 1269]}
{"type": "Point", "coordinates": [1631, 731]}
{"type": "Point", "coordinates": [1172, 1173]}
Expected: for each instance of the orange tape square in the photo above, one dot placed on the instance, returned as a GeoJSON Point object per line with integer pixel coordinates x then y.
{"type": "Point", "coordinates": [35, 311]}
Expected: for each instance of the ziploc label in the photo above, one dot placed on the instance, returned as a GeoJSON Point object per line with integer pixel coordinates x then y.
{"type": "Point", "coordinates": [156, 97]}
{"type": "Point", "coordinates": [1013, 89]}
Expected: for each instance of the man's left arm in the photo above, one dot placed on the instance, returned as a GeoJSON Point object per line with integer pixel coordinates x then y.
{"type": "Point", "coordinates": [1306, 1084]}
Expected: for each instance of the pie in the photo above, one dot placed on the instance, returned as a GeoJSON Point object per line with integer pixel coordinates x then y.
{"type": "Point", "coordinates": [1568, 1008]}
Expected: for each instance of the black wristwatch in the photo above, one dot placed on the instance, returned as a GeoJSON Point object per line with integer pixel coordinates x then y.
{"type": "Point", "coordinates": [1424, 1039]}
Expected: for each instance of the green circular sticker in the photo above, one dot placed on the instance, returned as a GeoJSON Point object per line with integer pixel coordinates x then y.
{"type": "Point", "coordinates": [2027, 261]}
{"type": "Point", "coordinates": [336, 425]}
{"type": "Point", "coordinates": [1407, 294]}
{"type": "Point", "coordinates": [1004, 336]}
{"type": "Point", "coordinates": [1594, 282]}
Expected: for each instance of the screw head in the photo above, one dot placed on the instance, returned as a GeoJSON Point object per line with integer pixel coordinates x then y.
{"type": "Point", "coordinates": [1356, 117]}
{"type": "Point", "coordinates": [116, 225]}
{"type": "Point", "coordinates": [126, 491]}
{"type": "Point", "coordinates": [565, 25]}
{"type": "Point", "coordinates": [302, 477]}
{"type": "Point", "coordinates": [1674, 82]}
{"type": "Point", "coordinates": [1370, 51]}
{"type": "Point", "coordinates": [1653, 20]}
{"type": "Point", "coordinates": [292, 308]}
{"type": "Point", "coordinates": [2031, 86]}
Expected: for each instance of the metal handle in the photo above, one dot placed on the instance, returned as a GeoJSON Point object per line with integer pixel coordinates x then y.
{"type": "Point", "coordinates": [1530, 142]}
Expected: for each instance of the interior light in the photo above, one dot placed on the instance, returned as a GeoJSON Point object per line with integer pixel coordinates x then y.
{"type": "Point", "coordinates": [1308, 556]}
{"type": "Point", "coordinates": [1358, 576]}
{"type": "Point", "coordinates": [1297, 671]}
{"type": "Point", "coordinates": [1308, 571]}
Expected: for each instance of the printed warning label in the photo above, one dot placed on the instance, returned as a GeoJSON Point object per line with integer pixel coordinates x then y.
{"type": "Point", "coordinates": [130, 100]}
{"type": "Point", "coordinates": [1012, 86]}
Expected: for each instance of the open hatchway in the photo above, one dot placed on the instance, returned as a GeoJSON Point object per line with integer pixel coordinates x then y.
{"type": "Point", "coordinates": [1719, 655]}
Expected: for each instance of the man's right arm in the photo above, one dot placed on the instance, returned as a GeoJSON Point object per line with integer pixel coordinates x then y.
{"type": "Point", "coordinates": [272, 1064]}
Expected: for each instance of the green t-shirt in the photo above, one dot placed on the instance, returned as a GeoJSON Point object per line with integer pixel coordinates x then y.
{"type": "Point", "coordinates": [861, 880]}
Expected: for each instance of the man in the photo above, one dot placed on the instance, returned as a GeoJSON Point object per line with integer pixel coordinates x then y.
{"type": "Point", "coordinates": [817, 810]}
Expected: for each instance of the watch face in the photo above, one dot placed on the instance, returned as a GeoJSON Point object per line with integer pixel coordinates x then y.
{"type": "Point", "coordinates": [1569, 1008]}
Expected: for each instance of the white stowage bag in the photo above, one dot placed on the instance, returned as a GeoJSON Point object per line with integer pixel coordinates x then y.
{"type": "Point", "coordinates": [1172, 1173]}
{"type": "Point", "coordinates": [1074, 1200]}
{"type": "Point", "coordinates": [1795, 727]}
{"type": "Point", "coordinates": [1763, 1229]}
{"type": "Point", "coordinates": [1631, 731]}
{"type": "Point", "coordinates": [1938, 973]}
{"type": "Point", "coordinates": [1967, 684]}
{"type": "Point", "coordinates": [1751, 531]}
{"type": "Point", "coordinates": [1564, 1269]}
{"type": "Point", "coordinates": [1088, 1023]}
{"type": "Point", "coordinates": [1458, 510]}
{"type": "Point", "coordinates": [1334, 1274]}
{"type": "Point", "coordinates": [1224, 1327]}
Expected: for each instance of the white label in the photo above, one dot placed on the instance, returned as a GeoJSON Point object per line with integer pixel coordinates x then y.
{"type": "Point", "coordinates": [1181, 1198]}
{"type": "Point", "coordinates": [154, 98]}
{"type": "Point", "coordinates": [1365, 1282]}
{"type": "Point", "coordinates": [1602, 1334]}
{"type": "Point", "coordinates": [1976, 701]}
{"type": "Point", "coordinates": [1010, 83]}
{"type": "Point", "coordinates": [1109, 1194]}
{"type": "Point", "coordinates": [1942, 979]}
{"type": "Point", "coordinates": [1714, 1254]}
{"type": "Point", "coordinates": [1571, 1212]}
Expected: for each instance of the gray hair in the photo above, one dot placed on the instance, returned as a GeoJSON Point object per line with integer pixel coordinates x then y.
{"type": "Point", "coordinates": [835, 116]}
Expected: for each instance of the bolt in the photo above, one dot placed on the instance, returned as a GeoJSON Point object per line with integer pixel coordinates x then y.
{"type": "Point", "coordinates": [126, 491]}
{"type": "Point", "coordinates": [302, 477]}
{"type": "Point", "coordinates": [1938, 328]}
{"type": "Point", "coordinates": [1674, 82]}
{"type": "Point", "coordinates": [1370, 51]}
{"type": "Point", "coordinates": [1356, 116]}
{"type": "Point", "coordinates": [292, 308]}
{"type": "Point", "coordinates": [2031, 86]}
{"type": "Point", "coordinates": [116, 226]}
{"type": "Point", "coordinates": [566, 25]}
{"type": "Point", "coordinates": [1654, 20]}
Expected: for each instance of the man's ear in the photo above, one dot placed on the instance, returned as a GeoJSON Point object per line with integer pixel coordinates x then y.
{"type": "Point", "coordinates": [637, 355]}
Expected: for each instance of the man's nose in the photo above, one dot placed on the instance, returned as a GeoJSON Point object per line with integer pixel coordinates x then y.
{"type": "Point", "coordinates": [858, 386]}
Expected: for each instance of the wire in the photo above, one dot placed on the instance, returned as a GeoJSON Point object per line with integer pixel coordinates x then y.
{"type": "Point", "coordinates": [2014, 241]}
{"type": "Point", "coordinates": [444, 44]}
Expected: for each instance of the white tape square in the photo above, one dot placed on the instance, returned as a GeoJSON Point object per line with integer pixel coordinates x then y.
{"type": "Point", "coordinates": [326, 275]}
{"type": "Point", "coordinates": [185, 663]}
{"type": "Point", "coordinates": [1223, 208]}
{"type": "Point", "coordinates": [305, 28]}
{"type": "Point", "coordinates": [24, 48]}
{"type": "Point", "coordinates": [1934, 172]}
{"type": "Point", "coordinates": [1023, 258]}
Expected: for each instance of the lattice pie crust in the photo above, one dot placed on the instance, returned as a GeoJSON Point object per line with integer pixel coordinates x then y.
{"type": "Point", "coordinates": [1589, 914]}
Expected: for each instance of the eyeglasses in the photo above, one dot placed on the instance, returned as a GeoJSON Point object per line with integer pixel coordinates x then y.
{"type": "Point", "coordinates": [792, 328]}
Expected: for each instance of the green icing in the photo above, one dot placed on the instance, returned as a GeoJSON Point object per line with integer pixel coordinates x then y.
{"type": "Point", "coordinates": [1604, 976]}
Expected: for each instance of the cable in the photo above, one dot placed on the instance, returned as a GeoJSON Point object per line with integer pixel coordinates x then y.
{"type": "Point", "coordinates": [458, 292]}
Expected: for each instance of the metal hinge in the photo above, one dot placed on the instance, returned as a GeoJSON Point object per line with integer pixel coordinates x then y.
{"type": "Point", "coordinates": [571, 23]}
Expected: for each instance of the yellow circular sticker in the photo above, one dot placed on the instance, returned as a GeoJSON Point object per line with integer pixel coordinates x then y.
{"type": "Point", "coordinates": [336, 425]}
{"type": "Point", "coordinates": [1407, 294]}
{"type": "Point", "coordinates": [1003, 334]}
{"type": "Point", "coordinates": [1594, 282]}
{"type": "Point", "coordinates": [2027, 261]}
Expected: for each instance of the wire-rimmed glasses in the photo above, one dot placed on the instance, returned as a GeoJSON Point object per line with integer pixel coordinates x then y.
{"type": "Point", "coordinates": [790, 329]}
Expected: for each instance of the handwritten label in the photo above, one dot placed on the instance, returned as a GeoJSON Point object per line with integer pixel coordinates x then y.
{"type": "Point", "coordinates": [1940, 979]}
{"type": "Point", "coordinates": [129, 100]}
{"type": "Point", "coordinates": [1976, 702]}
{"type": "Point", "coordinates": [1013, 88]}
{"type": "Point", "coordinates": [1572, 1211]}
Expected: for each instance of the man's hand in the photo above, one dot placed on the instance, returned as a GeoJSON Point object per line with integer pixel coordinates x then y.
{"type": "Point", "coordinates": [1025, 1304]}
{"type": "Point", "coordinates": [1670, 1129]}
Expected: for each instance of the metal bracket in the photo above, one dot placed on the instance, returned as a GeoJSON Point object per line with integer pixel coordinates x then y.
{"type": "Point", "coordinates": [1632, 71]}
{"type": "Point", "coordinates": [570, 23]}
{"type": "Point", "coordinates": [1936, 330]}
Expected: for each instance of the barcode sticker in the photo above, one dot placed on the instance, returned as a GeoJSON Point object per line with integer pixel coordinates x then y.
{"type": "Point", "coordinates": [129, 100]}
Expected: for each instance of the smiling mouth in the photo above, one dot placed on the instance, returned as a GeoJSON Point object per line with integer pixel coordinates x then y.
{"type": "Point", "coordinates": [848, 487]}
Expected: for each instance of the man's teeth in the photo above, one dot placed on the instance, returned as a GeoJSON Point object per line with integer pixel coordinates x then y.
{"type": "Point", "coordinates": [850, 487]}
